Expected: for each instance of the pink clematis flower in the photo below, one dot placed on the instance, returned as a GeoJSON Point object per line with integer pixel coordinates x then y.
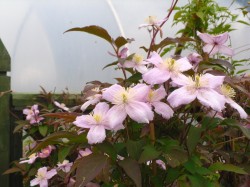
{"type": "Point", "coordinates": [31, 159]}
{"type": "Point", "coordinates": [215, 44]}
{"type": "Point", "coordinates": [33, 114]}
{"type": "Point", "coordinates": [42, 177]}
{"type": "Point", "coordinates": [200, 87]}
{"type": "Point", "coordinates": [61, 106]}
{"type": "Point", "coordinates": [130, 101]}
{"type": "Point", "coordinates": [154, 98]}
{"type": "Point", "coordinates": [194, 59]}
{"type": "Point", "coordinates": [137, 63]}
{"type": "Point", "coordinates": [46, 151]}
{"type": "Point", "coordinates": [65, 166]}
{"type": "Point", "coordinates": [229, 93]}
{"type": "Point", "coordinates": [97, 122]}
{"type": "Point", "coordinates": [152, 21]}
{"type": "Point", "coordinates": [83, 153]}
{"type": "Point", "coordinates": [165, 69]}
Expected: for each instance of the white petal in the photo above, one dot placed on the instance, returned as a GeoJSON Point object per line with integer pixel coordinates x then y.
{"type": "Point", "coordinates": [184, 64]}
{"type": "Point", "coordinates": [34, 182]}
{"type": "Point", "coordinates": [139, 111]}
{"type": "Point", "coordinates": [141, 68]}
{"type": "Point", "coordinates": [51, 173]}
{"type": "Point", "coordinates": [213, 81]}
{"type": "Point", "coordinates": [242, 112]}
{"type": "Point", "coordinates": [156, 76]}
{"type": "Point", "coordinates": [155, 58]}
{"type": "Point", "coordinates": [101, 109]}
{"type": "Point", "coordinates": [181, 96]}
{"type": "Point", "coordinates": [159, 94]}
{"type": "Point", "coordinates": [96, 134]}
{"type": "Point", "coordinates": [84, 121]}
{"type": "Point", "coordinates": [163, 109]}
{"type": "Point", "coordinates": [111, 94]}
{"type": "Point", "coordinates": [116, 116]}
{"type": "Point", "coordinates": [44, 183]}
{"type": "Point", "coordinates": [139, 92]}
{"type": "Point", "coordinates": [211, 98]}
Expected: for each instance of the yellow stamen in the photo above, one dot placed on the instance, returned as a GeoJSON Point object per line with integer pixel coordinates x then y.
{"type": "Point", "coordinates": [170, 64]}
{"type": "Point", "coordinates": [97, 118]}
{"type": "Point", "coordinates": [227, 90]}
{"type": "Point", "coordinates": [137, 58]}
{"type": "Point", "coordinates": [150, 95]}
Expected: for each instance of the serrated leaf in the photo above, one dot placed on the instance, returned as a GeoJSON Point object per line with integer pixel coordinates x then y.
{"type": "Point", "coordinates": [107, 148]}
{"type": "Point", "coordinates": [89, 167]}
{"type": "Point", "coordinates": [120, 41]}
{"type": "Point", "coordinates": [193, 138]}
{"type": "Point", "coordinates": [132, 169]}
{"type": "Point", "coordinates": [134, 148]}
{"type": "Point", "coordinates": [63, 153]}
{"type": "Point", "coordinates": [218, 166]}
{"type": "Point", "coordinates": [149, 153]}
{"type": "Point", "coordinates": [223, 63]}
{"type": "Point", "coordinates": [43, 129]}
{"type": "Point", "coordinates": [95, 30]}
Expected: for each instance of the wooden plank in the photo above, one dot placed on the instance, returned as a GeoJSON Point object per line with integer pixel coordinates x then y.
{"type": "Point", "coordinates": [4, 59]}
{"type": "Point", "coordinates": [4, 129]}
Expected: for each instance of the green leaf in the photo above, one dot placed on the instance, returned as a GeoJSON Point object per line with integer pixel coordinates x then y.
{"type": "Point", "coordinates": [111, 64]}
{"type": "Point", "coordinates": [193, 138]}
{"type": "Point", "coordinates": [223, 63]}
{"type": "Point", "coordinates": [89, 167]}
{"type": "Point", "coordinates": [95, 30]}
{"type": "Point", "coordinates": [132, 169]}
{"type": "Point", "coordinates": [149, 153]}
{"type": "Point", "coordinates": [63, 153]}
{"type": "Point", "coordinates": [43, 129]}
{"type": "Point", "coordinates": [175, 157]}
{"type": "Point", "coordinates": [134, 148]}
{"type": "Point", "coordinates": [173, 174]}
{"type": "Point", "coordinates": [120, 41]}
{"type": "Point", "coordinates": [243, 22]}
{"type": "Point", "coordinates": [218, 166]}
{"type": "Point", "coordinates": [108, 148]}
{"type": "Point", "coordinates": [135, 78]}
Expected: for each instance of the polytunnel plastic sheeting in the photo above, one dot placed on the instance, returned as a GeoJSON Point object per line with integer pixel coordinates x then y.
{"type": "Point", "coordinates": [42, 55]}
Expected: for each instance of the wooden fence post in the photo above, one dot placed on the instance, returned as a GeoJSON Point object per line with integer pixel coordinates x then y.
{"type": "Point", "coordinates": [4, 115]}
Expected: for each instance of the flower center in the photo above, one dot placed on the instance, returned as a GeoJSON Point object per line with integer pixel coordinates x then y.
{"type": "Point", "coordinates": [97, 118]}
{"type": "Point", "coordinates": [227, 90]}
{"type": "Point", "coordinates": [150, 95]}
{"type": "Point", "coordinates": [137, 58]}
{"type": "Point", "coordinates": [41, 175]}
{"type": "Point", "coordinates": [170, 64]}
{"type": "Point", "coordinates": [124, 97]}
{"type": "Point", "coordinates": [151, 20]}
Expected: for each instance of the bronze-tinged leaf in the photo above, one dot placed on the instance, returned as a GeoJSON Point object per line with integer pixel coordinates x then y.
{"type": "Point", "coordinates": [69, 117]}
{"type": "Point", "coordinates": [95, 30]}
{"type": "Point", "coordinates": [120, 41]}
{"type": "Point", "coordinates": [132, 169]}
{"type": "Point", "coordinates": [12, 170]}
{"type": "Point", "coordinates": [89, 167]}
{"type": "Point", "coordinates": [223, 63]}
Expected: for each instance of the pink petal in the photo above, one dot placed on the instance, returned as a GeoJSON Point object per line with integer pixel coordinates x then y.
{"type": "Point", "coordinates": [184, 64]}
{"type": "Point", "coordinates": [181, 96]}
{"type": "Point", "coordinates": [156, 76]}
{"type": "Point", "coordinates": [155, 58]}
{"type": "Point", "coordinates": [180, 80]}
{"type": "Point", "coordinates": [128, 64]}
{"type": "Point", "coordinates": [141, 69]}
{"type": "Point", "coordinates": [139, 92]}
{"type": "Point", "coordinates": [139, 111]}
{"type": "Point", "coordinates": [211, 49]}
{"type": "Point", "coordinates": [44, 183]}
{"type": "Point", "coordinates": [163, 109]}
{"type": "Point", "coordinates": [110, 94]}
{"type": "Point", "coordinates": [51, 173]}
{"type": "Point", "coordinates": [222, 38]}
{"type": "Point", "coordinates": [93, 101]}
{"type": "Point", "coordinates": [84, 121]}
{"type": "Point", "coordinates": [96, 134]}
{"type": "Point", "coordinates": [212, 80]}
{"type": "Point", "coordinates": [117, 115]}
{"type": "Point", "coordinates": [226, 50]}
{"type": "Point", "coordinates": [101, 109]}
{"type": "Point", "coordinates": [211, 98]}
{"type": "Point", "coordinates": [241, 111]}
{"type": "Point", "coordinates": [207, 38]}
{"type": "Point", "coordinates": [159, 94]}
{"type": "Point", "coordinates": [34, 182]}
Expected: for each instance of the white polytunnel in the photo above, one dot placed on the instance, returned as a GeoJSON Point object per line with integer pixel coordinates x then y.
{"type": "Point", "coordinates": [43, 55]}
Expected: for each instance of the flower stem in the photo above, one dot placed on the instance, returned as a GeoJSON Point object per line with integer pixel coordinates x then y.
{"type": "Point", "coordinates": [152, 138]}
